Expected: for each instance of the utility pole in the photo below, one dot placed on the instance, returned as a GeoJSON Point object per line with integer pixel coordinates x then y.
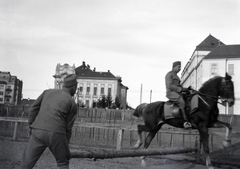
{"type": "Point", "coordinates": [150, 96]}
{"type": "Point", "coordinates": [141, 95]}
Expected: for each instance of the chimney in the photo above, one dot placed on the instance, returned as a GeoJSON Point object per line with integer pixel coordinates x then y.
{"type": "Point", "coordinates": [94, 69]}
{"type": "Point", "coordinates": [83, 63]}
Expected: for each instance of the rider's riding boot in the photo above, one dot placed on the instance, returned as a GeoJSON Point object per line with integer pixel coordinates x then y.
{"type": "Point", "coordinates": [186, 124]}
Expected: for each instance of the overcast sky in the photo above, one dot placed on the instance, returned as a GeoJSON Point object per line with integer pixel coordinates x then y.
{"type": "Point", "coordinates": [135, 39]}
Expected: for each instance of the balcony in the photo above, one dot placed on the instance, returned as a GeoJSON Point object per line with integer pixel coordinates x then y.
{"type": "Point", "coordinates": [8, 90]}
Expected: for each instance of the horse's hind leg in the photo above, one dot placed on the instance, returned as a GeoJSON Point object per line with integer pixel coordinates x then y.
{"type": "Point", "coordinates": [148, 140]}
{"type": "Point", "coordinates": [151, 135]}
{"type": "Point", "coordinates": [227, 141]}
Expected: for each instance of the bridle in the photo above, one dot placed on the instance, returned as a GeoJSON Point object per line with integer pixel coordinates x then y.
{"type": "Point", "coordinates": [214, 98]}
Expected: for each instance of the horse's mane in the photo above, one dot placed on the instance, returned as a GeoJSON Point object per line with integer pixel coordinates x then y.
{"type": "Point", "coordinates": [208, 85]}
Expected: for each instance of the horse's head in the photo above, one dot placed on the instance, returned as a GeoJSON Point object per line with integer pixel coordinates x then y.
{"type": "Point", "coordinates": [227, 90]}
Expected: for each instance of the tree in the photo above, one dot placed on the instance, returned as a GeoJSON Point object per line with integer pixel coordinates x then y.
{"type": "Point", "coordinates": [109, 100]}
{"type": "Point", "coordinates": [117, 102]}
{"type": "Point", "coordinates": [102, 102]}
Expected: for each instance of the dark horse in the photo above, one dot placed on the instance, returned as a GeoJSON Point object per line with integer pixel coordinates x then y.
{"type": "Point", "coordinates": [205, 115]}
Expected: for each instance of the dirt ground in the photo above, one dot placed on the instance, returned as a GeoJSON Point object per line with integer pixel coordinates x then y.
{"type": "Point", "coordinates": [11, 153]}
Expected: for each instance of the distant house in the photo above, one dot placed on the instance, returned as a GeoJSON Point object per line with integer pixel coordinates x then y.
{"type": "Point", "coordinates": [10, 89]}
{"type": "Point", "coordinates": [212, 58]}
{"type": "Point", "coordinates": [92, 84]}
{"type": "Point", "coordinates": [27, 102]}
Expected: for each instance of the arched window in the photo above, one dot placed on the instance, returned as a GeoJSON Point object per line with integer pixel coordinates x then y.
{"type": "Point", "coordinates": [214, 69]}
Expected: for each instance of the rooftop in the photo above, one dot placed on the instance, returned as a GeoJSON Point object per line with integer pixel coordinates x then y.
{"type": "Point", "coordinates": [209, 43]}
{"type": "Point", "coordinates": [225, 51]}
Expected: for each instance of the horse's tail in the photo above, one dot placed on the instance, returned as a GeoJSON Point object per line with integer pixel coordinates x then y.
{"type": "Point", "coordinates": [139, 110]}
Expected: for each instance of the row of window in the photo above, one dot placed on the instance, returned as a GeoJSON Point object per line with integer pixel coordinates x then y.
{"type": "Point", "coordinates": [214, 69]}
{"type": "Point", "coordinates": [95, 90]}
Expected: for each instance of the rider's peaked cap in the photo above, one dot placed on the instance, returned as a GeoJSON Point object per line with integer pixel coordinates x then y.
{"type": "Point", "coordinates": [176, 64]}
{"type": "Point", "coordinates": [70, 80]}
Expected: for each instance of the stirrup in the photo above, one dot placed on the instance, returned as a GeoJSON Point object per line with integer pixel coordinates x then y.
{"type": "Point", "coordinates": [187, 125]}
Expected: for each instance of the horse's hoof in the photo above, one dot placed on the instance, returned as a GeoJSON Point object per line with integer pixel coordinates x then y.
{"type": "Point", "coordinates": [136, 146]}
{"type": "Point", "coordinates": [143, 163]}
{"type": "Point", "coordinates": [226, 143]}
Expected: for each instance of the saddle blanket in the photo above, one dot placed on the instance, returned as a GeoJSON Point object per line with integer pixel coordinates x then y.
{"type": "Point", "coordinates": [171, 110]}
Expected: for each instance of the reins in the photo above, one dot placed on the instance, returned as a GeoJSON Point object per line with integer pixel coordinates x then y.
{"type": "Point", "coordinates": [213, 98]}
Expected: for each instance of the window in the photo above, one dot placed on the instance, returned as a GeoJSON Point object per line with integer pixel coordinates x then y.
{"type": "Point", "coordinates": [1, 93]}
{"type": "Point", "coordinates": [231, 69]}
{"type": "Point", "coordinates": [95, 91]}
{"type": "Point", "coordinates": [214, 69]}
{"type": "Point", "coordinates": [88, 91]}
{"type": "Point", "coordinates": [102, 89]}
{"type": "Point", "coordinates": [109, 89]}
{"type": "Point", "coordinates": [80, 90]}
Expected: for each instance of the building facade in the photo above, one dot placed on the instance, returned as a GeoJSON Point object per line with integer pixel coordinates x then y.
{"type": "Point", "coordinates": [10, 89]}
{"type": "Point", "coordinates": [61, 72]}
{"type": "Point", "coordinates": [92, 85]}
{"type": "Point", "coordinates": [213, 58]}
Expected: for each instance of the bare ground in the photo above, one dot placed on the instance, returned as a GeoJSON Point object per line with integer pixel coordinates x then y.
{"type": "Point", "coordinates": [11, 154]}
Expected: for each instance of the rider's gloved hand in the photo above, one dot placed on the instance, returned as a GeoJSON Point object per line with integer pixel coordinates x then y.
{"type": "Point", "coordinates": [189, 88]}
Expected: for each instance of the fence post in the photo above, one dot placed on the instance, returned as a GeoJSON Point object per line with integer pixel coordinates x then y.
{"type": "Point", "coordinates": [15, 130]}
{"type": "Point", "coordinates": [120, 139]}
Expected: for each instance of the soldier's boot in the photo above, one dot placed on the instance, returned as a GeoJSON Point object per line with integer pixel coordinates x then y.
{"type": "Point", "coordinates": [186, 124]}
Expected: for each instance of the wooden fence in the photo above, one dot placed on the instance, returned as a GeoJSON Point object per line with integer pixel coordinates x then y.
{"type": "Point", "coordinates": [115, 129]}
{"type": "Point", "coordinates": [115, 136]}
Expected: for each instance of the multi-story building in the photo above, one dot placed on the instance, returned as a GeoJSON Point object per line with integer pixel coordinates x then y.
{"type": "Point", "coordinates": [213, 58]}
{"type": "Point", "coordinates": [10, 89]}
{"type": "Point", "coordinates": [92, 85]}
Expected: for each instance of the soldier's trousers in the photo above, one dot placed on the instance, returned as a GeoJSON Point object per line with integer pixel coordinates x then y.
{"type": "Point", "coordinates": [39, 141]}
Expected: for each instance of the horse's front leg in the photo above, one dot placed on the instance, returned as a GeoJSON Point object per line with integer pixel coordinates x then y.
{"type": "Point", "coordinates": [227, 141]}
{"type": "Point", "coordinates": [139, 142]}
{"type": "Point", "coordinates": [203, 131]}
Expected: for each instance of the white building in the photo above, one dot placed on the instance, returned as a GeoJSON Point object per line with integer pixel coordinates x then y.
{"type": "Point", "coordinates": [92, 85]}
{"type": "Point", "coordinates": [212, 58]}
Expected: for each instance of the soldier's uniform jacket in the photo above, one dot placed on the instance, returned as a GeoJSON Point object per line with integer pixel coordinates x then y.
{"type": "Point", "coordinates": [54, 110]}
{"type": "Point", "coordinates": [173, 86]}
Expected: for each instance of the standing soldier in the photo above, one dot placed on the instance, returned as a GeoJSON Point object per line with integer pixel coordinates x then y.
{"type": "Point", "coordinates": [51, 119]}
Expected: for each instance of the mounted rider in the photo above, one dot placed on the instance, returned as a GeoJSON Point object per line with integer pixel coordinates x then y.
{"type": "Point", "coordinates": [175, 90]}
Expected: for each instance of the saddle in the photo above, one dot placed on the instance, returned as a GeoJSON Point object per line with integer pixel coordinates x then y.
{"type": "Point", "coordinates": [172, 110]}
